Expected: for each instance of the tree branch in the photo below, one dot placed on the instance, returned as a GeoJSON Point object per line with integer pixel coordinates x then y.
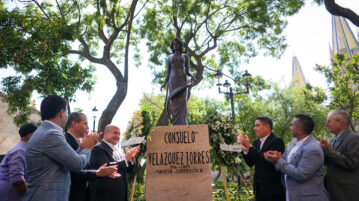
{"type": "Point", "coordinates": [102, 35]}
{"type": "Point", "coordinates": [237, 28]}
{"type": "Point", "coordinates": [178, 30]}
{"type": "Point", "coordinates": [335, 9]}
{"type": "Point", "coordinates": [209, 15]}
{"type": "Point", "coordinates": [205, 41]}
{"type": "Point", "coordinates": [128, 15]}
{"type": "Point", "coordinates": [39, 6]}
{"type": "Point", "coordinates": [58, 5]}
{"type": "Point", "coordinates": [79, 10]}
{"type": "Point", "coordinates": [141, 8]}
{"type": "Point", "coordinates": [209, 47]}
{"type": "Point", "coordinates": [86, 55]}
{"type": "Point", "coordinates": [131, 14]}
{"type": "Point", "coordinates": [86, 52]}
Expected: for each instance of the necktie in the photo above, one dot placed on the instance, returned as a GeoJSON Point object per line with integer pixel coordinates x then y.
{"type": "Point", "coordinates": [262, 143]}
{"type": "Point", "coordinates": [335, 140]}
{"type": "Point", "coordinates": [117, 155]}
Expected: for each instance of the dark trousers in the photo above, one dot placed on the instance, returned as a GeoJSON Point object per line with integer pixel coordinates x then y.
{"type": "Point", "coordinates": [260, 197]}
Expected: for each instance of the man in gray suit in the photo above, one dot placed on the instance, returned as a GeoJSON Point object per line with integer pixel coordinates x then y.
{"type": "Point", "coordinates": [301, 164]}
{"type": "Point", "coordinates": [341, 156]}
{"type": "Point", "coordinates": [50, 158]}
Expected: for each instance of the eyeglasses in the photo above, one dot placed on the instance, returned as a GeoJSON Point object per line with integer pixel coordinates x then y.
{"type": "Point", "coordinates": [328, 121]}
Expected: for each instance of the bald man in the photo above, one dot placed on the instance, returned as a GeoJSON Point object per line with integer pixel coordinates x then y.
{"type": "Point", "coordinates": [108, 151]}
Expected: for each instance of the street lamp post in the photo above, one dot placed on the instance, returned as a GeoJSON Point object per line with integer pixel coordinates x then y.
{"type": "Point", "coordinates": [246, 76]}
{"type": "Point", "coordinates": [229, 94]}
{"type": "Point", "coordinates": [94, 110]}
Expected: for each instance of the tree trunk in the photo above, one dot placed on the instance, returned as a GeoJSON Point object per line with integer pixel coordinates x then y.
{"type": "Point", "coordinates": [121, 81]}
{"type": "Point", "coordinates": [111, 109]}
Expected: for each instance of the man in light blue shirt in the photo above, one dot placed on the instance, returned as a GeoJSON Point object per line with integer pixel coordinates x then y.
{"type": "Point", "coordinates": [302, 163]}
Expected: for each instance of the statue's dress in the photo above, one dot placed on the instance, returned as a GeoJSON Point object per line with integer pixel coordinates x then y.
{"type": "Point", "coordinates": [177, 85]}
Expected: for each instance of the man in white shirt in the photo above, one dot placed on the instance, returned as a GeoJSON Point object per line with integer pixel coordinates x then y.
{"type": "Point", "coordinates": [267, 181]}
{"type": "Point", "coordinates": [108, 151]}
{"type": "Point", "coordinates": [78, 128]}
{"type": "Point", "coordinates": [302, 163]}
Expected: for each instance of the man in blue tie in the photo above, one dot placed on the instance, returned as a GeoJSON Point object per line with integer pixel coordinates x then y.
{"type": "Point", "coordinates": [301, 164]}
{"type": "Point", "coordinates": [341, 158]}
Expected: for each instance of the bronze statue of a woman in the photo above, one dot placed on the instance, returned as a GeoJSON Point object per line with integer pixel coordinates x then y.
{"type": "Point", "coordinates": [176, 78]}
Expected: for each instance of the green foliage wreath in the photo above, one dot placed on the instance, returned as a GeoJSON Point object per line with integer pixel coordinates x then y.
{"type": "Point", "coordinates": [222, 129]}
{"type": "Point", "coordinates": [139, 126]}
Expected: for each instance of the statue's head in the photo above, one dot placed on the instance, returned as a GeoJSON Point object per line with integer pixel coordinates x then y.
{"type": "Point", "coordinates": [179, 42]}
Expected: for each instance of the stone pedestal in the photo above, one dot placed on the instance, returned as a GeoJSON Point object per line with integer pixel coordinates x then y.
{"type": "Point", "coordinates": [178, 164]}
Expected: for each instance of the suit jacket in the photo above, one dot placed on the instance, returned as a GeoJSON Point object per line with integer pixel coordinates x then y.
{"type": "Point", "coordinates": [79, 180]}
{"type": "Point", "coordinates": [304, 172]}
{"type": "Point", "coordinates": [267, 181]}
{"type": "Point", "coordinates": [342, 161]}
{"type": "Point", "coordinates": [107, 189]}
{"type": "Point", "coordinates": [49, 159]}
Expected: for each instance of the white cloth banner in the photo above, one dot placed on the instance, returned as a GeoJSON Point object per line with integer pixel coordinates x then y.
{"type": "Point", "coordinates": [133, 141]}
{"type": "Point", "coordinates": [232, 148]}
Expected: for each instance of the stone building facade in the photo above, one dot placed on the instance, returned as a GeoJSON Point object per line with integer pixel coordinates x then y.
{"type": "Point", "coordinates": [9, 135]}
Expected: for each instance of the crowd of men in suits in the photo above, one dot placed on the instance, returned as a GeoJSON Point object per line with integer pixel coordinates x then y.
{"type": "Point", "coordinates": [58, 167]}
{"type": "Point", "coordinates": [296, 174]}
{"type": "Point", "coordinates": [49, 166]}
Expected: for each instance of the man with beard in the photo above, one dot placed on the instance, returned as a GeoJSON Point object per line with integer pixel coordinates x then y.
{"type": "Point", "coordinates": [302, 163]}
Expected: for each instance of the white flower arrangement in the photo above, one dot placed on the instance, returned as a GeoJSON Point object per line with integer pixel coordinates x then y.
{"type": "Point", "coordinates": [135, 125]}
{"type": "Point", "coordinates": [237, 160]}
{"type": "Point", "coordinates": [224, 128]}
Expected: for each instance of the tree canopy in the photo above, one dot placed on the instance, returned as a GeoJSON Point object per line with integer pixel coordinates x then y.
{"type": "Point", "coordinates": [79, 28]}
{"type": "Point", "coordinates": [342, 78]}
{"type": "Point", "coordinates": [216, 34]}
{"type": "Point", "coordinates": [234, 28]}
{"type": "Point", "coordinates": [32, 47]}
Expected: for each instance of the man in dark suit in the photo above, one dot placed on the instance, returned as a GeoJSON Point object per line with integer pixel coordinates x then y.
{"type": "Point", "coordinates": [108, 151]}
{"type": "Point", "coordinates": [267, 181]}
{"type": "Point", "coordinates": [341, 156]}
{"type": "Point", "coordinates": [77, 125]}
